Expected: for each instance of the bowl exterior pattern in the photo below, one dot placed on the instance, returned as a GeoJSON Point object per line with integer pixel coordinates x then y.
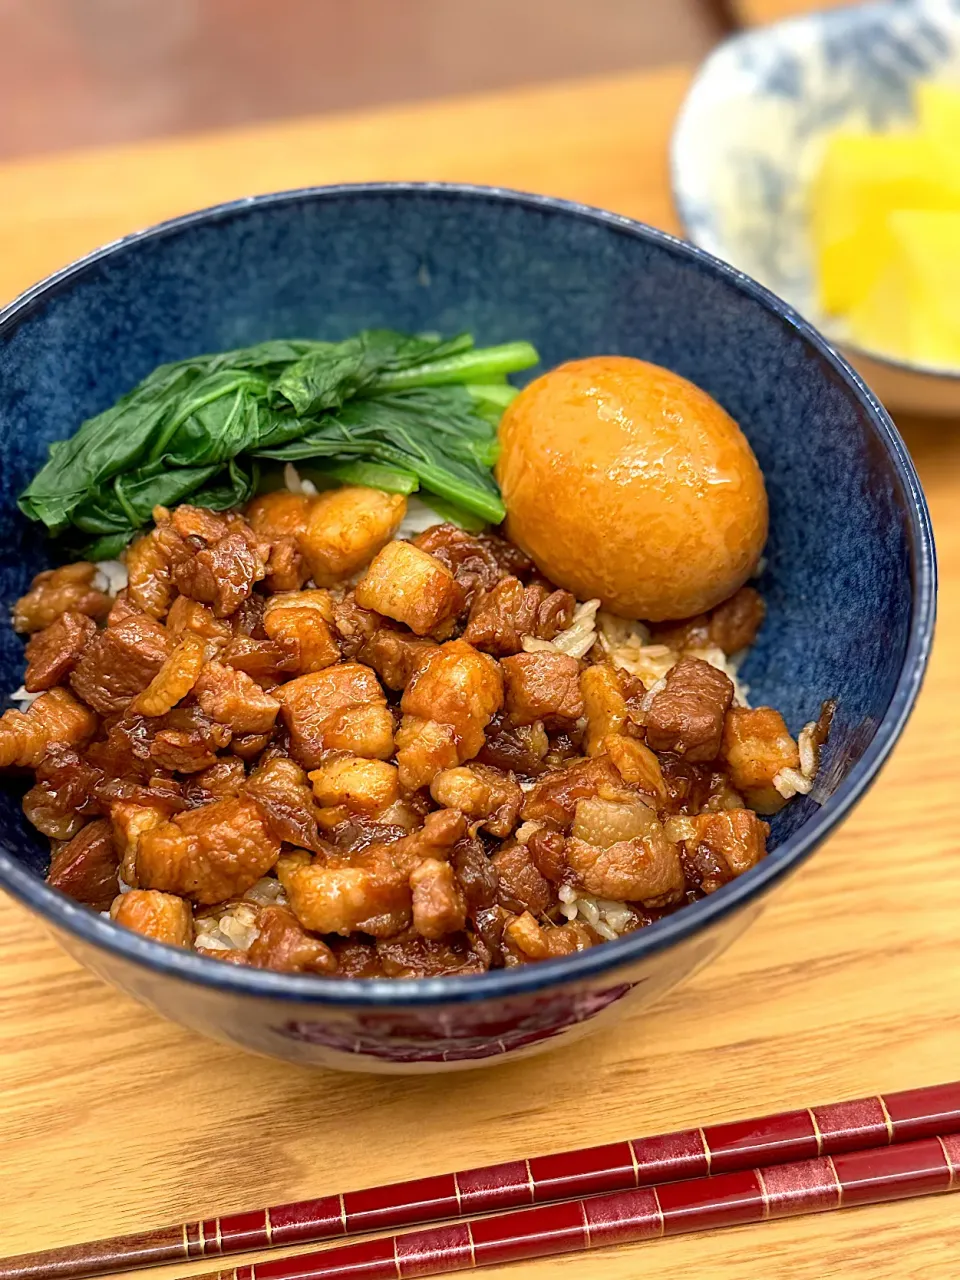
{"type": "Point", "coordinates": [751, 134]}
{"type": "Point", "coordinates": [849, 577]}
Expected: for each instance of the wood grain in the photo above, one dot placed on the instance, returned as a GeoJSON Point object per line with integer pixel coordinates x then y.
{"type": "Point", "coordinates": [113, 1120]}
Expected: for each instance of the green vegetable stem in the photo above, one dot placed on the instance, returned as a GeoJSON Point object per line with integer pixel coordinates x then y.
{"type": "Point", "coordinates": [386, 409]}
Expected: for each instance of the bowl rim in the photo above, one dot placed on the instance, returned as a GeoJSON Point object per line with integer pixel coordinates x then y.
{"type": "Point", "coordinates": [757, 36]}
{"type": "Point", "coordinates": [187, 966]}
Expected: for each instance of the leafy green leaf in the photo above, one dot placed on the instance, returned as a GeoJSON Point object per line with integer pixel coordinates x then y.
{"type": "Point", "coordinates": [382, 408]}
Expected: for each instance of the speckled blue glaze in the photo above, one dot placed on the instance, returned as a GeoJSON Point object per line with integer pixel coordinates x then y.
{"type": "Point", "coordinates": [850, 580]}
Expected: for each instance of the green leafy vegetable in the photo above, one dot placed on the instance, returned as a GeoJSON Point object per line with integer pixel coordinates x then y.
{"type": "Point", "coordinates": [386, 409]}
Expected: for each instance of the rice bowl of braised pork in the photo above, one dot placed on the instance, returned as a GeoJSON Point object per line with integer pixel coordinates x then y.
{"type": "Point", "coordinates": [380, 709]}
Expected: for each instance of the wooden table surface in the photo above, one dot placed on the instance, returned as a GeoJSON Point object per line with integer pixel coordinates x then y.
{"type": "Point", "coordinates": [112, 1120]}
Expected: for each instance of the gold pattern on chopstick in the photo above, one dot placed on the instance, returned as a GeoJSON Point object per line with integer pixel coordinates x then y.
{"type": "Point", "coordinates": [636, 1166]}
{"type": "Point", "coordinates": [816, 1130]}
{"type": "Point", "coordinates": [396, 1259]}
{"type": "Point", "coordinates": [203, 1243]}
{"type": "Point", "coordinates": [950, 1165]}
{"type": "Point", "coordinates": [886, 1117]}
{"type": "Point", "coordinates": [836, 1178]}
{"type": "Point", "coordinates": [473, 1251]}
{"type": "Point", "coordinates": [706, 1150]}
{"type": "Point", "coordinates": [586, 1225]}
{"type": "Point", "coordinates": [660, 1218]}
{"type": "Point", "coordinates": [530, 1182]}
{"type": "Point", "coordinates": [267, 1226]}
{"type": "Point", "coordinates": [186, 1242]}
{"type": "Point", "coordinates": [764, 1194]}
{"type": "Point", "coordinates": [219, 1236]}
{"type": "Point", "coordinates": [343, 1214]}
{"type": "Point", "coordinates": [456, 1192]}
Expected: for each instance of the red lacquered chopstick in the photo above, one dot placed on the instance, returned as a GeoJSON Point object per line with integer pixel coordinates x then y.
{"type": "Point", "coordinates": [626, 1217]}
{"type": "Point", "coordinates": [618, 1166]}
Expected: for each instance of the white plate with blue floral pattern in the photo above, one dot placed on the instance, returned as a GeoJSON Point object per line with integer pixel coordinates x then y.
{"type": "Point", "coordinates": [751, 134]}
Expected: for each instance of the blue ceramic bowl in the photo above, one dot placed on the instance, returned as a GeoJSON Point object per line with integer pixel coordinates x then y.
{"type": "Point", "coordinates": [850, 577]}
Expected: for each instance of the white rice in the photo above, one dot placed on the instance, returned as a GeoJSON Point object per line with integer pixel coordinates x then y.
{"type": "Point", "coordinates": [296, 483]}
{"type": "Point", "coordinates": [111, 576]}
{"type": "Point", "coordinates": [627, 645]}
{"type": "Point", "coordinates": [607, 918]}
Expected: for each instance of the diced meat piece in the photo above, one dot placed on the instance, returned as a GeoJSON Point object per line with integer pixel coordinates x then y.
{"type": "Point", "coordinates": [315, 600]}
{"type": "Point", "coordinates": [637, 765]}
{"type": "Point", "coordinates": [502, 616]}
{"type": "Point", "coordinates": [341, 708]}
{"type": "Point", "coordinates": [262, 660]}
{"type": "Point", "coordinates": [604, 705]}
{"type": "Point", "coordinates": [412, 956]}
{"type": "Point", "coordinates": [285, 946]}
{"type": "Point", "coordinates": [735, 623]}
{"type": "Point", "coordinates": [354, 626]}
{"type": "Point", "coordinates": [53, 717]}
{"type": "Point", "coordinates": [184, 740]}
{"type": "Point", "coordinates": [756, 746]}
{"type": "Point", "coordinates": [248, 746]}
{"type": "Point", "coordinates": [150, 560]}
{"type": "Point", "coordinates": [224, 778]}
{"type": "Point", "coordinates": [280, 518]}
{"type": "Point", "coordinates": [190, 615]}
{"type": "Point", "coordinates": [86, 867]}
{"type": "Point", "coordinates": [439, 907]}
{"type": "Point", "coordinates": [686, 717]}
{"type": "Point", "coordinates": [447, 706]}
{"type": "Point", "coordinates": [731, 626]}
{"type": "Point", "coordinates": [367, 786]}
{"type": "Point", "coordinates": [411, 586]}
{"type": "Point", "coordinates": [208, 854]}
{"type": "Point", "coordinates": [185, 750]}
{"type": "Point", "coordinates": [441, 831]}
{"type": "Point", "coordinates": [542, 686]}
{"type": "Point", "coordinates": [280, 513]}
{"type": "Point", "coordinates": [122, 609]}
{"type": "Point", "coordinates": [606, 822]}
{"type": "Point", "coordinates": [371, 896]}
{"type": "Point", "coordinates": [645, 868]}
{"type": "Point", "coordinates": [470, 559]}
{"type": "Point", "coordinates": [521, 750]}
{"type": "Point", "coordinates": [553, 799]}
{"type": "Point", "coordinates": [520, 886]}
{"type": "Point", "coordinates": [200, 524]}
{"type": "Point", "coordinates": [396, 657]}
{"type": "Point", "coordinates": [55, 591]}
{"type": "Point", "coordinates": [528, 940]}
{"type": "Point", "coordinates": [346, 528]}
{"type": "Point", "coordinates": [280, 788]}
{"type": "Point", "coordinates": [475, 874]}
{"type": "Point", "coordinates": [480, 792]}
{"type": "Point", "coordinates": [287, 569]}
{"type": "Point", "coordinates": [53, 652]}
{"type": "Point", "coordinates": [221, 575]}
{"type": "Point", "coordinates": [161, 916]}
{"type": "Point", "coordinates": [231, 697]}
{"type": "Point", "coordinates": [356, 958]}
{"type": "Point", "coordinates": [302, 628]}
{"type": "Point", "coordinates": [248, 618]}
{"type": "Point", "coordinates": [688, 785]}
{"type": "Point", "coordinates": [62, 797]}
{"type": "Point", "coordinates": [725, 846]}
{"type": "Point", "coordinates": [546, 850]}
{"type": "Point", "coordinates": [130, 821]}
{"type": "Point", "coordinates": [179, 673]}
{"type": "Point", "coordinates": [120, 662]}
